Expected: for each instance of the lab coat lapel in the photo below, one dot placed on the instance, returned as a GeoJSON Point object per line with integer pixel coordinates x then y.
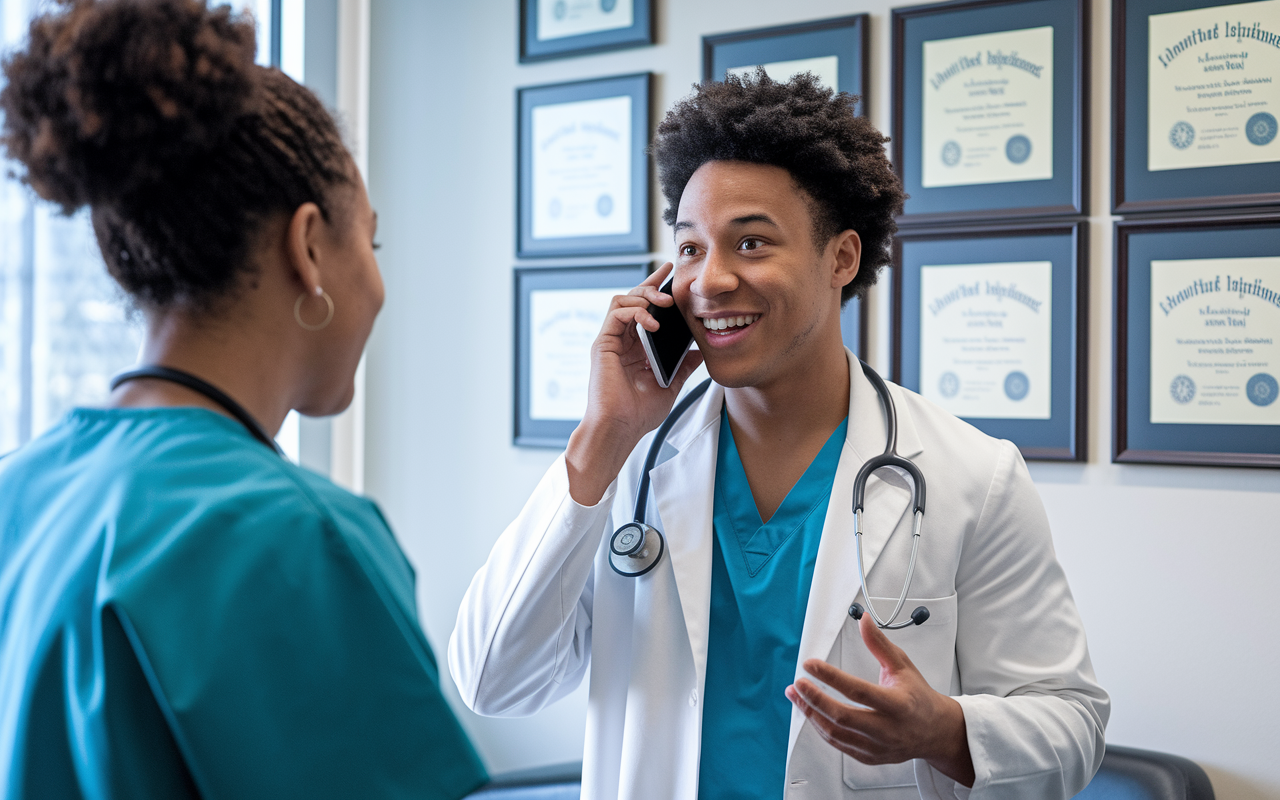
{"type": "Point", "coordinates": [835, 576]}
{"type": "Point", "coordinates": [683, 493]}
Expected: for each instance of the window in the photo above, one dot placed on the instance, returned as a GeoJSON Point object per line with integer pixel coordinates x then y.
{"type": "Point", "coordinates": [65, 327]}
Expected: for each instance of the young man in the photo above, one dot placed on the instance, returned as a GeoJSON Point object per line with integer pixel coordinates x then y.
{"type": "Point", "coordinates": [704, 670]}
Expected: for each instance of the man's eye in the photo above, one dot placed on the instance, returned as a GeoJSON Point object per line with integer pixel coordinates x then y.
{"type": "Point", "coordinates": [750, 244]}
{"type": "Point", "coordinates": [688, 250]}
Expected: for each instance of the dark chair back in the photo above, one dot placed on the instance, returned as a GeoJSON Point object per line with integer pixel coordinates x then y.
{"type": "Point", "coordinates": [1126, 774]}
{"type": "Point", "coordinates": [556, 782]}
{"type": "Point", "coordinates": [1131, 774]}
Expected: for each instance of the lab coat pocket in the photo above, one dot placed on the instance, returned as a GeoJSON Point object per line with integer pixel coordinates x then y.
{"type": "Point", "coordinates": [931, 648]}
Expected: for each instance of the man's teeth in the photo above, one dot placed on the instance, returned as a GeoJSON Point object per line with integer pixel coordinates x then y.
{"type": "Point", "coordinates": [723, 323]}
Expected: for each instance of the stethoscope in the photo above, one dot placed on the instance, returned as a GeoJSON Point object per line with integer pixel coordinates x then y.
{"type": "Point", "coordinates": [637, 547]}
{"type": "Point", "coordinates": [201, 387]}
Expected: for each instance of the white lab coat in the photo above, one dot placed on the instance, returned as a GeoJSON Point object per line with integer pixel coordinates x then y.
{"type": "Point", "coordinates": [1004, 636]}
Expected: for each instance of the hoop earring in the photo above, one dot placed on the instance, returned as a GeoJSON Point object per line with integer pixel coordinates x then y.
{"type": "Point", "coordinates": [297, 311]}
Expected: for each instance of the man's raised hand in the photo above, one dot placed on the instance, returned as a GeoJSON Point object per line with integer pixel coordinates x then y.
{"type": "Point", "coordinates": [624, 400]}
{"type": "Point", "coordinates": [899, 719]}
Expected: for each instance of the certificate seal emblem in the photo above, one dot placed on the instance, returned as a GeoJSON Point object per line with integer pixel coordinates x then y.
{"type": "Point", "coordinates": [554, 208]}
{"type": "Point", "coordinates": [1261, 128]}
{"type": "Point", "coordinates": [1182, 135]}
{"type": "Point", "coordinates": [951, 153]}
{"type": "Point", "coordinates": [949, 385]}
{"type": "Point", "coordinates": [1262, 389]}
{"type": "Point", "coordinates": [1018, 148]}
{"type": "Point", "coordinates": [1016, 385]}
{"type": "Point", "coordinates": [1182, 389]}
{"type": "Point", "coordinates": [560, 9]}
{"type": "Point", "coordinates": [604, 205]}
{"type": "Point", "coordinates": [608, 5]}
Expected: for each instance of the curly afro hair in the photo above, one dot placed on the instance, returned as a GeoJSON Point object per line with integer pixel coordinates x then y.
{"type": "Point", "coordinates": [835, 156]}
{"type": "Point", "coordinates": [154, 114]}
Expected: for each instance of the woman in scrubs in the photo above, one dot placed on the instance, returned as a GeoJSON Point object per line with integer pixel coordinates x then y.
{"type": "Point", "coordinates": [184, 613]}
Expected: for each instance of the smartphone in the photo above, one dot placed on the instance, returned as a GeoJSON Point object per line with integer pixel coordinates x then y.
{"type": "Point", "coordinates": [667, 347]}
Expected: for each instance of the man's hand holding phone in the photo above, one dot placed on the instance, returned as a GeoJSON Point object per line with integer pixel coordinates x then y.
{"type": "Point", "coordinates": [625, 400]}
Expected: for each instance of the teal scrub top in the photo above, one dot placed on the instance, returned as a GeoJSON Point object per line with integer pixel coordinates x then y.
{"type": "Point", "coordinates": [185, 614]}
{"type": "Point", "coordinates": [760, 579]}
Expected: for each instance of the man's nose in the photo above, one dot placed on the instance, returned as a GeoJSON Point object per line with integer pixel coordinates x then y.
{"type": "Point", "coordinates": [716, 276]}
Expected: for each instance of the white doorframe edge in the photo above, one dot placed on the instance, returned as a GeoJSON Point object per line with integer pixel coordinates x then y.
{"type": "Point", "coordinates": [347, 445]}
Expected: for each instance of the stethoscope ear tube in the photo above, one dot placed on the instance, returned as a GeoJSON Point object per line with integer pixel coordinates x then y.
{"type": "Point", "coordinates": [918, 617]}
{"type": "Point", "coordinates": [889, 458]}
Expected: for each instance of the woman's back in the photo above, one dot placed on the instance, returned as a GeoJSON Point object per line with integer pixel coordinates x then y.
{"type": "Point", "coordinates": [184, 613]}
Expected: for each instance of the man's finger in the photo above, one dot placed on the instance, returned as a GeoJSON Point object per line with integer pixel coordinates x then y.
{"type": "Point", "coordinates": [846, 741]}
{"type": "Point", "coordinates": [628, 301]}
{"type": "Point", "coordinates": [890, 656]}
{"type": "Point", "coordinates": [849, 740]}
{"type": "Point", "coordinates": [843, 715]}
{"type": "Point", "coordinates": [856, 689]}
{"type": "Point", "coordinates": [659, 275]}
{"type": "Point", "coordinates": [649, 288]}
{"type": "Point", "coordinates": [621, 321]}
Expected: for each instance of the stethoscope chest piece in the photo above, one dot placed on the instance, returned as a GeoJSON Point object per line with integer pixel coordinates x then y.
{"type": "Point", "coordinates": [634, 549]}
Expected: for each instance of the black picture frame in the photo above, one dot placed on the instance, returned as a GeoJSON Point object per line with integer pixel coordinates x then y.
{"type": "Point", "coordinates": [638, 34]}
{"type": "Point", "coordinates": [1066, 193]}
{"type": "Point", "coordinates": [636, 240]}
{"type": "Point", "coordinates": [1062, 437]}
{"type": "Point", "coordinates": [1135, 439]}
{"type": "Point", "coordinates": [847, 38]}
{"type": "Point", "coordinates": [1134, 188]}
{"type": "Point", "coordinates": [527, 431]}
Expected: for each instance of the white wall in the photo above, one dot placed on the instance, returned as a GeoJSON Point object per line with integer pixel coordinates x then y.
{"type": "Point", "coordinates": [1171, 566]}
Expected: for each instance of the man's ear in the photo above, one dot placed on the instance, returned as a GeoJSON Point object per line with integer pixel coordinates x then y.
{"type": "Point", "coordinates": [303, 243]}
{"type": "Point", "coordinates": [847, 247]}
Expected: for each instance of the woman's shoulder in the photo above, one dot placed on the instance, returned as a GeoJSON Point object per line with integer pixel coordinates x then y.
{"type": "Point", "coordinates": [189, 488]}
{"type": "Point", "coordinates": [178, 477]}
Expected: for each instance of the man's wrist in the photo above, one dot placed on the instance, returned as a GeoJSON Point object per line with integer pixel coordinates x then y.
{"type": "Point", "coordinates": [951, 754]}
{"type": "Point", "coordinates": [593, 458]}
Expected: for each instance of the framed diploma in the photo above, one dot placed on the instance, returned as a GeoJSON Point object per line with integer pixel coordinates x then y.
{"type": "Point", "coordinates": [990, 324]}
{"type": "Point", "coordinates": [990, 103]}
{"type": "Point", "coordinates": [557, 28]}
{"type": "Point", "coordinates": [583, 170]}
{"type": "Point", "coordinates": [1197, 354]}
{"type": "Point", "coordinates": [558, 314]}
{"type": "Point", "coordinates": [835, 50]}
{"type": "Point", "coordinates": [1195, 99]}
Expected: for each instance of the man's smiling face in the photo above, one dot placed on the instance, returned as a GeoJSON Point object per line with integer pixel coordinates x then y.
{"type": "Point", "coordinates": [754, 287]}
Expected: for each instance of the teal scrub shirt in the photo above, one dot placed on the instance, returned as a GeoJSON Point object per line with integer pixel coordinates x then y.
{"type": "Point", "coordinates": [185, 614]}
{"type": "Point", "coordinates": [760, 579]}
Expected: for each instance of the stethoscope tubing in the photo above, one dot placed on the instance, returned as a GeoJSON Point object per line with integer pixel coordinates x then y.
{"type": "Point", "coordinates": [889, 458]}
{"type": "Point", "coordinates": [906, 586]}
{"type": "Point", "coordinates": [659, 439]}
{"type": "Point", "coordinates": [203, 387]}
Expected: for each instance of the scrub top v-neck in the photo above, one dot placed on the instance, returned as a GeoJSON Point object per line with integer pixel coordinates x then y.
{"type": "Point", "coordinates": [760, 578]}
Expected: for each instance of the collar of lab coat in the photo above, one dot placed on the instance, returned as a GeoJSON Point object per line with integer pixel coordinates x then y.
{"type": "Point", "coordinates": [684, 489]}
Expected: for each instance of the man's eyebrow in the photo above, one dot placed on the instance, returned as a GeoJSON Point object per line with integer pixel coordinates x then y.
{"type": "Point", "coordinates": [743, 220]}
{"type": "Point", "coordinates": [750, 218]}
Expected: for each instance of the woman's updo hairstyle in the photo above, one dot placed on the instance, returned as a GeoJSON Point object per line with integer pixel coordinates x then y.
{"type": "Point", "coordinates": [153, 113]}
